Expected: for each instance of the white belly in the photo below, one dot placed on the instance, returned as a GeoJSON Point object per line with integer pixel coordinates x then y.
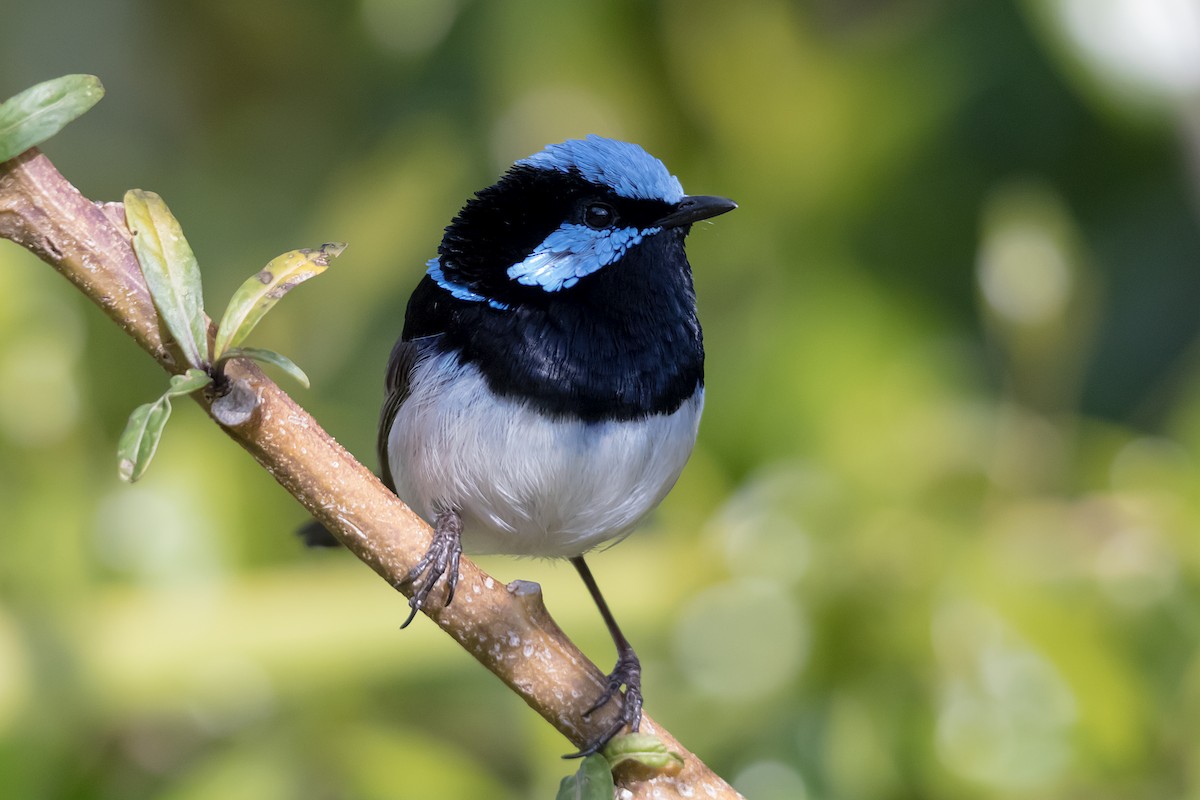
{"type": "Point", "coordinates": [523, 483]}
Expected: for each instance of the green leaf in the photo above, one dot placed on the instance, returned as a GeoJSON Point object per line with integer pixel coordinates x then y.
{"type": "Point", "coordinates": [140, 438]}
{"type": "Point", "coordinates": [260, 293]}
{"type": "Point", "coordinates": [593, 781]}
{"type": "Point", "coordinates": [188, 382]}
{"type": "Point", "coordinates": [39, 112]}
{"type": "Point", "coordinates": [645, 752]}
{"type": "Point", "coordinates": [171, 271]}
{"type": "Point", "coordinates": [269, 357]}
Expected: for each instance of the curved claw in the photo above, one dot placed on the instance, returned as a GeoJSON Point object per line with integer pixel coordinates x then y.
{"type": "Point", "coordinates": [440, 559]}
{"type": "Point", "coordinates": [452, 578]}
{"type": "Point", "coordinates": [627, 673]}
{"type": "Point", "coordinates": [412, 614]}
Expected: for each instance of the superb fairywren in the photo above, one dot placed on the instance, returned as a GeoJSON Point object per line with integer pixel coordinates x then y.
{"type": "Point", "coordinates": [546, 389]}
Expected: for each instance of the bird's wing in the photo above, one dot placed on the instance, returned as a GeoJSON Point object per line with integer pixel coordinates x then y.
{"type": "Point", "coordinates": [396, 389]}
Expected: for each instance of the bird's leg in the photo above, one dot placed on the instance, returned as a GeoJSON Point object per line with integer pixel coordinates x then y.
{"type": "Point", "coordinates": [627, 672]}
{"type": "Point", "coordinates": [440, 559]}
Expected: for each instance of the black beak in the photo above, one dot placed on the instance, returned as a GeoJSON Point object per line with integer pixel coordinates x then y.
{"type": "Point", "coordinates": [695, 208]}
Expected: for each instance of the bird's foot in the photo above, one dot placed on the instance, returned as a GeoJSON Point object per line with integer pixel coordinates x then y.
{"type": "Point", "coordinates": [440, 559]}
{"type": "Point", "coordinates": [627, 673]}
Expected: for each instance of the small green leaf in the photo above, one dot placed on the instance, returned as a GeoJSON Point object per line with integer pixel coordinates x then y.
{"type": "Point", "coordinates": [140, 438]}
{"type": "Point", "coordinates": [269, 357]}
{"type": "Point", "coordinates": [188, 382]}
{"type": "Point", "coordinates": [39, 112]}
{"type": "Point", "coordinates": [171, 271]}
{"type": "Point", "coordinates": [644, 752]}
{"type": "Point", "coordinates": [260, 293]}
{"type": "Point", "coordinates": [593, 781]}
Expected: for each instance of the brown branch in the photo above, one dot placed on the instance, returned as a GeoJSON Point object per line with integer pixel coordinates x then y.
{"type": "Point", "coordinates": [506, 628]}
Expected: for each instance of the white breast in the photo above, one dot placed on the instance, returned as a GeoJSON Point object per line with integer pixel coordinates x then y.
{"type": "Point", "coordinates": [526, 484]}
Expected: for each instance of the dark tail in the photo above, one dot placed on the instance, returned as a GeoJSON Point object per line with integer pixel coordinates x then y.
{"type": "Point", "coordinates": [314, 534]}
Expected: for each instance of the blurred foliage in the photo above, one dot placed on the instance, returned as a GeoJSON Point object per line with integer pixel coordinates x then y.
{"type": "Point", "coordinates": [940, 537]}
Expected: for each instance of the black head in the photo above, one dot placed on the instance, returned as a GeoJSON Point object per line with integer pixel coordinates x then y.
{"type": "Point", "coordinates": [560, 216]}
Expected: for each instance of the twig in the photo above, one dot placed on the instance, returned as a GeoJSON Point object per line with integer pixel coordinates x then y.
{"type": "Point", "coordinates": [506, 628]}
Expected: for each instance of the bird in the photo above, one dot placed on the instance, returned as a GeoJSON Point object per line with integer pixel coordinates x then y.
{"type": "Point", "coordinates": [546, 389]}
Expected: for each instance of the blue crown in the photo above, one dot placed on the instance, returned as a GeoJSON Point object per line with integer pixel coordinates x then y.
{"type": "Point", "coordinates": [624, 167]}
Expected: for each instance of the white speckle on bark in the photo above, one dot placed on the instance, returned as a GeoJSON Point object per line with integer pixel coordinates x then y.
{"type": "Point", "coordinates": [357, 531]}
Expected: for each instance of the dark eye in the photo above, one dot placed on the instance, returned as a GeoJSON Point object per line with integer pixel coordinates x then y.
{"type": "Point", "coordinates": [599, 216]}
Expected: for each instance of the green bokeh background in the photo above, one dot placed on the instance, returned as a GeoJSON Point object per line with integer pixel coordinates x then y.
{"type": "Point", "coordinates": [941, 534]}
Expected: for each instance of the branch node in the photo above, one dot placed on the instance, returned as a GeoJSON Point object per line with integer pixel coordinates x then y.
{"type": "Point", "coordinates": [526, 591]}
{"type": "Point", "coordinates": [528, 595]}
{"type": "Point", "coordinates": [236, 407]}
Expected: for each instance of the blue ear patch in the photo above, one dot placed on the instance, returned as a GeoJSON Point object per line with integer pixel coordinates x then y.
{"type": "Point", "coordinates": [573, 252]}
{"type": "Point", "coordinates": [433, 268]}
{"type": "Point", "coordinates": [625, 168]}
